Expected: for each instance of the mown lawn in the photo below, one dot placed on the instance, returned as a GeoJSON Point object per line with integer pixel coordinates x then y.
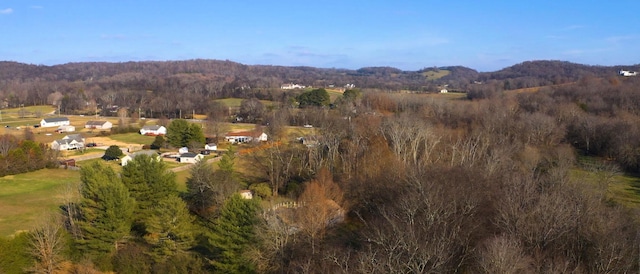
{"type": "Point", "coordinates": [133, 138]}
{"type": "Point", "coordinates": [181, 179]}
{"type": "Point", "coordinates": [24, 198]}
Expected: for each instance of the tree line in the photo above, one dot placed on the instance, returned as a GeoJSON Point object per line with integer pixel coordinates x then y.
{"type": "Point", "coordinates": [148, 87]}
{"type": "Point", "coordinates": [18, 155]}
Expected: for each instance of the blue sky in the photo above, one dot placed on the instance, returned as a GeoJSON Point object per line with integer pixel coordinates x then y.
{"type": "Point", "coordinates": [410, 35]}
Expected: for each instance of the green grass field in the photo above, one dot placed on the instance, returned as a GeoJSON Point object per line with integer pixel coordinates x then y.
{"type": "Point", "coordinates": [235, 102]}
{"type": "Point", "coordinates": [24, 198]}
{"type": "Point", "coordinates": [133, 138]}
{"type": "Point", "coordinates": [434, 75]}
{"type": "Point", "coordinates": [422, 96]}
{"type": "Point", "coordinates": [334, 94]}
{"type": "Point", "coordinates": [620, 187]}
{"type": "Point", "coordinates": [181, 179]}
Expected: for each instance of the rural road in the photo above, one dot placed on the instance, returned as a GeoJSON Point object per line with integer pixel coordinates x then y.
{"type": "Point", "coordinates": [185, 167]}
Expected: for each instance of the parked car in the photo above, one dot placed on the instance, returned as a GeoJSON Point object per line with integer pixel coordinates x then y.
{"type": "Point", "coordinates": [205, 152]}
{"type": "Point", "coordinates": [92, 145]}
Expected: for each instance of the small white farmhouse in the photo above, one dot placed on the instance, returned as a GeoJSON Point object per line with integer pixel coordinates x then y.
{"type": "Point", "coordinates": [55, 122]}
{"type": "Point", "coordinates": [190, 157]}
{"type": "Point", "coordinates": [246, 136]}
{"type": "Point", "coordinates": [212, 147]}
{"type": "Point", "coordinates": [153, 130]}
{"type": "Point", "coordinates": [67, 128]}
{"type": "Point", "coordinates": [98, 125]}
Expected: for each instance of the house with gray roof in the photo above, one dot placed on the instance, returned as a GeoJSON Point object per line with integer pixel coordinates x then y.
{"type": "Point", "coordinates": [55, 122]}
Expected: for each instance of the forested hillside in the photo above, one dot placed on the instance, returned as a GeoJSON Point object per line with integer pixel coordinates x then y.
{"type": "Point", "coordinates": [86, 87]}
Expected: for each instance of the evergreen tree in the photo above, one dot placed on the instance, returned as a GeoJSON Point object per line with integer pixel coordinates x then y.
{"type": "Point", "coordinates": [158, 142]}
{"type": "Point", "coordinates": [105, 210]}
{"type": "Point", "coordinates": [181, 133]}
{"type": "Point", "coordinates": [149, 182]}
{"type": "Point", "coordinates": [177, 132]}
{"type": "Point", "coordinates": [13, 255]}
{"type": "Point", "coordinates": [113, 152]}
{"type": "Point", "coordinates": [196, 136]}
{"type": "Point", "coordinates": [169, 228]}
{"type": "Point", "coordinates": [227, 161]}
{"type": "Point", "coordinates": [317, 97]}
{"type": "Point", "coordinates": [233, 233]}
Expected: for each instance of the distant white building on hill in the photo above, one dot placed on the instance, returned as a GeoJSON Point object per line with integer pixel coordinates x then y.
{"type": "Point", "coordinates": [153, 130]}
{"type": "Point", "coordinates": [292, 86]}
{"type": "Point", "coordinates": [628, 73]}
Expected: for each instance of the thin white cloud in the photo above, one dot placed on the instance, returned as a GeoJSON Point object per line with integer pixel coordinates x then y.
{"type": "Point", "coordinates": [113, 36]}
{"type": "Point", "coordinates": [618, 39]}
{"type": "Point", "coordinates": [572, 27]}
{"type": "Point", "coordinates": [585, 51]}
{"type": "Point", "coordinates": [6, 11]}
{"type": "Point", "coordinates": [556, 37]}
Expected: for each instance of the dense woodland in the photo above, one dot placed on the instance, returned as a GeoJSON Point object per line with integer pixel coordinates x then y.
{"type": "Point", "coordinates": [392, 183]}
{"type": "Point", "coordinates": [150, 87]}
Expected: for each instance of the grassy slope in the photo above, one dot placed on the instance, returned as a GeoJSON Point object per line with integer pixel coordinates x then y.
{"type": "Point", "coordinates": [620, 188]}
{"type": "Point", "coordinates": [235, 102]}
{"type": "Point", "coordinates": [25, 197]}
{"type": "Point", "coordinates": [434, 75]}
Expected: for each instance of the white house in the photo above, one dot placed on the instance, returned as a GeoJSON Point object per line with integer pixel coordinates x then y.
{"type": "Point", "coordinates": [212, 147]}
{"type": "Point", "coordinates": [628, 73]}
{"type": "Point", "coordinates": [190, 157]}
{"type": "Point", "coordinates": [246, 136]}
{"type": "Point", "coordinates": [153, 130]}
{"type": "Point", "coordinates": [98, 125]}
{"type": "Point", "coordinates": [67, 128]}
{"type": "Point", "coordinates": [444, 90]}
{"type": "Point", "coordinates": [55, 122]}
{"type": "Point", "coordinates": [73, 141]}
{"type": "Point", "coordinates": [183, 150]}
{"type": "Point", "coordinates": [151, 153]}
{"type": "Point", "coordinates": [291, 86]}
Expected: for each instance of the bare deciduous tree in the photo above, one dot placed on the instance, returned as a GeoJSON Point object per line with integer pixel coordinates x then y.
{"type": "Point", "coordinates": [47, 245]}
{"type": "Point", "coordinates": [503, 255]}
{"type": "Point", "coordinates": [321, 206]}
